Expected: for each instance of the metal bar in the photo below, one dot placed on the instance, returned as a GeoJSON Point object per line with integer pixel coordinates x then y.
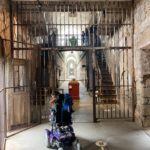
{"type": "Point", "coordinates": [85, 26]}
{"type": "Point", "coordinates": [17, 55]}
{"type": "Point", "coordinates": [48, 28]}
{"type": "Point", "coordinates": [72, 22]}
{"type": "Point", "coordinates": [114, 29]}
{"type": "Point", "coordinates": [33, 29]}
{"type": "Point", "coordinates": [94, 100]}
{"type": "Point", "coordinates": [133, 71]}
{"type": "Point", "coordinates": [76, 27]}
{"type": "Point", "coordinates": [80, 48]}
{"type": "Point", "coordinates": [106, 21]}
{"type": "Point", "coordinates": [56, 24]}
{"type": "Point", "coordinates": [81, 30]}
{"type": "Point", "coordinates": [51, 10]}
{"type": "Point", "coordinates": [68, 48]}
{"type": "Point", "coordinates": [97, 35]}
{"type": "Point", "coordinates": [21, 36]}
{"type": "Point", "coordinates": [19, 42]}
{"type": "Point", "coordinates": [116, 58]}
{"type": "Point", "coordinates": [39, 101]}
{"type": "Point", "coordinates": [126, 43]}
{"type": "Point", "coordinates": [50, 7]}
{"type": "Point", "coordinates": [124, 83]}
{"type": "Point", "coordinates": [113, 86]}
{"type": "Point", "coordinates": [11, 29]}
{"type": "Point", "coordinates": [55, 32]}
{"type": "Point", "coordinates": [26, 35]}
{"type": "Point", "coordinates": [30, 27]}
{"type": "Point", "coordinates": [92, 44]}
{"type": "Point", "coordinates": [60, 25]}
{"type": "Point", "coordinates": [68, 27]}
{"type": "Point", "coordinates": [128, 85]}
{"type": "Point", "coordinates": [64, 26]}
{"type": "Point", "coordinates": [101, 24]}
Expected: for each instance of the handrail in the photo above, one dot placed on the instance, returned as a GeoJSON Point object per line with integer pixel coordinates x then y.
{"type": "Point", "coordinates": [12, 87]}
{"type": "Point", "coordinates": [2, 90]}
{"type": "Point", "coordinates": [98, 70]}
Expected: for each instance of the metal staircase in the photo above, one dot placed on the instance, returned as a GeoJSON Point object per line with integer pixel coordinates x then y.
{"type": "Point", "coordinates": [107, 92]}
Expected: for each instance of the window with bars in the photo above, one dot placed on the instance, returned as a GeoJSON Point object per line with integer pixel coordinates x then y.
{"type": "Point", "coordinates": [19, 78]}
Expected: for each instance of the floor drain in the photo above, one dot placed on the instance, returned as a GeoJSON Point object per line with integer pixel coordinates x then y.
{"type": "Point", "coordinates": [101, 144]}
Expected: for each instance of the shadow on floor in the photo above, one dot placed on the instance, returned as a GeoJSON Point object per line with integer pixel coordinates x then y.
{"type": "Point", "coordinates": [85, 145]}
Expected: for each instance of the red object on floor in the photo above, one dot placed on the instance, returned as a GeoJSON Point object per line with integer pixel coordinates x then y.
{"type": "Point", "coordinates": [73, 87]}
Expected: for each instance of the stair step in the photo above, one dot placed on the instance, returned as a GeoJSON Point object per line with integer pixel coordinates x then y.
{"type": "Point", "coordinates": [105, 74]}
{"type": "Point", "coordinates": [102, 63]}
{"type": "Point", "coordinates": [108, 92]}
{"type": "Point", "coordinates": [108, 102]}
{"type": "Point", "coordinates": [104, 70]}
{"type": "Point", "coordinates": [108, 88]}
{"type": "Point", "coordinates": [107, 81]}
{"type": "Point", "coordinates": [106, 84]}
{"type": "Point", "coordinates": [107, 95]}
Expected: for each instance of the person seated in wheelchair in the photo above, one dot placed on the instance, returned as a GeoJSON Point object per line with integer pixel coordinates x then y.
{"type": "Point", "coordinates": [53, 107]}
{"type": "Point", "coordinates": [67, 110]}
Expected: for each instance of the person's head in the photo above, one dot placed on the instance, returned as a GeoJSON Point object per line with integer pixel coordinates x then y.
{"type": "Point", "coordinates": [55, 94]}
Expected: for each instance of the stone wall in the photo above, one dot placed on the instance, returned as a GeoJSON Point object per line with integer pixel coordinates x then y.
{"type": "Point", "coordinates": [142, 60]}
{"type": "Point", "coordinates": [119, 61]}
{"type": "Point", "coordinates": [2, 107]}
{"type": "Point", "coordinates": [4, 34]}
{"type": "Point", "coordinates": [17, 103]}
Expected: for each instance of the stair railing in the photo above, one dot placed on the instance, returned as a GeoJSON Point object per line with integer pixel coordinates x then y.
{"type": "Point", "coordinates": [98, 76]}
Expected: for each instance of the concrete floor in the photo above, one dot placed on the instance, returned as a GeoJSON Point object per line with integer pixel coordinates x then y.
{"type": "Point", "coordinates": [120, 135]}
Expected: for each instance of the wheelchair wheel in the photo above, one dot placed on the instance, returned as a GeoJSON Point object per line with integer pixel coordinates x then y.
{"type": "Point", "coordinates": [47, 142]}
{"type": "Point", "coordinates": [53, 143]}
{"type": "Point", "coordinates": [76, 145]}
{"type": "Point", "coordinates": [60, 148]}
{"type": "Point", "coordinates": [70, 129]}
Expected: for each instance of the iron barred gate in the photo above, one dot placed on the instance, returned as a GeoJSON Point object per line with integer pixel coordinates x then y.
{"type": "Point", "coordinates": [104, 28]}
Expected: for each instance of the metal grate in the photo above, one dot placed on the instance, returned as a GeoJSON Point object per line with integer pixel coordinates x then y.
{"type": "Point", "coordinates": [102, 28]}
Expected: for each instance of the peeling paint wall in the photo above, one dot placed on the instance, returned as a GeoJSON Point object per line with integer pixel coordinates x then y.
{"type": "Point", "coordinates": [17, 103]}
{"type": "Point", "coordinates": [141, 59]}
{"type": "Point", "coordinates": [4, 34]}
{"type": "Point", "coordinates": [2, 106]}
